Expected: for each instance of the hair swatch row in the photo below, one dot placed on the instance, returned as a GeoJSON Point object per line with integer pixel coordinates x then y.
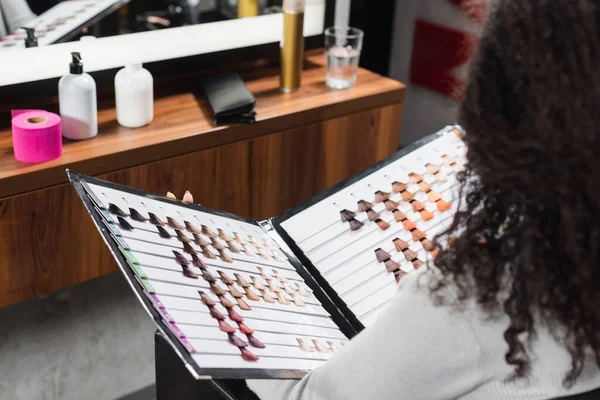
{"type": "Point", "coordinates": [366, 237]}
{"type": "Point", "coordinates": [209, 271]}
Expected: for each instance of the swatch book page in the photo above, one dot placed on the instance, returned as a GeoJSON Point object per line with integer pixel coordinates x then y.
{"type": "Point", "coordinates": [215, 283]}
{"type": "Point", "coordinates": [365, 234]}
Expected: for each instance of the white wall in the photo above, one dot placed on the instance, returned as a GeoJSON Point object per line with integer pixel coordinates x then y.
{"type": "Point", "coordinates": [424, 111]}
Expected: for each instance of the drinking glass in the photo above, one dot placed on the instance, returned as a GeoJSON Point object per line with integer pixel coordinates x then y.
{"type": "Point", "coordinates": [342, 46]}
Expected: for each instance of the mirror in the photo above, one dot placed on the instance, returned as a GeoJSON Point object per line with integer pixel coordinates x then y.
{"type": "Point", "coordinates": [55, 21]}
{"type": "Point", "coordinates": [110, 33]}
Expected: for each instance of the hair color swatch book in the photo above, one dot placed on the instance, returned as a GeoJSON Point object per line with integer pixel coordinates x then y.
{"type": "Point", "coordinates": [235, 304]}
{"type": "Point", "coordinates": [363, 235]}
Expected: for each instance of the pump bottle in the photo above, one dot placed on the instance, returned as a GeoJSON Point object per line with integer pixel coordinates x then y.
{"type": "Point", "coordinates": [77, 98]}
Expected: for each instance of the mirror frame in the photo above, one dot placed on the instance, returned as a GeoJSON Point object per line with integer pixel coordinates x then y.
{"type": "Point", "coordinates": [156, 47]}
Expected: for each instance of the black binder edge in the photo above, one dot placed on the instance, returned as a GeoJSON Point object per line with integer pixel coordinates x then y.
{"type": "Point", "coordinates": [314, 273]}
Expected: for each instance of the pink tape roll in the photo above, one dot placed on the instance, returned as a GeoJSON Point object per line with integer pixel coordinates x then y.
{"type": "Point", "coordinates": [36, 135]}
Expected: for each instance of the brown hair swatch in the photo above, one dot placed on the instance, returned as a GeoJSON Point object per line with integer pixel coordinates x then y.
{"type": "Point", "coordinates": [174, 224]}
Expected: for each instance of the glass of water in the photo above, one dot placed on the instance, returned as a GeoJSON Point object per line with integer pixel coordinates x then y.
{"type": "Point", "coordinates": [343, 46]}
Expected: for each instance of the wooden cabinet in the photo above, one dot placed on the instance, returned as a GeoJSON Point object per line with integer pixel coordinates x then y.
{"type": "Point", "coordinates": [303, 144]}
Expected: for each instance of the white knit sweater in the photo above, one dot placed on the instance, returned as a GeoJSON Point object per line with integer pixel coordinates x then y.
{"type": "Point", "coordinates": [416, 351]}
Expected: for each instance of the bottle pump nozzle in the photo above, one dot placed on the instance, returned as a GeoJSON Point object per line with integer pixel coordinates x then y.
{"type": "Point", "coordinates": [30, 40]}
{"type": "Point", "coordinates": [76, 66]}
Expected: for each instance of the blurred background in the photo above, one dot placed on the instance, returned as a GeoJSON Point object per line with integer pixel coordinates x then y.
{"type": "Point", "coordinates": [46, 343]}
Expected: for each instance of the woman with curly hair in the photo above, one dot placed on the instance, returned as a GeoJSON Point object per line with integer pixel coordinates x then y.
{"type": "Point", "coordinates": [511, 310]}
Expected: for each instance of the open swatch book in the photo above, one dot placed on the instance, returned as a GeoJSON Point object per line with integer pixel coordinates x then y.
{"type": "Point", "coordinates": [241, 299]}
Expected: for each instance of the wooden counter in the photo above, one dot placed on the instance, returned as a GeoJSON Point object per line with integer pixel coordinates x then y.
{"type": "Point", "coordinates": [304, 142]}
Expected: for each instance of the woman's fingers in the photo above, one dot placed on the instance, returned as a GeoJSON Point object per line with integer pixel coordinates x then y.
{"type": "Point", "coordinates": [187, 197]}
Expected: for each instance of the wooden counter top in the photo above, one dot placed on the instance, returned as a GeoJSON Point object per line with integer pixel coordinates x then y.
{"type": "Point", "coordinates": [183, 124]}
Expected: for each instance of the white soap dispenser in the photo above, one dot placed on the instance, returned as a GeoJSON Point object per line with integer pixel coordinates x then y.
{"type": "Point", "coordinates": [77, 98]}
{"type": "Point", "coordinates": [134, 91]}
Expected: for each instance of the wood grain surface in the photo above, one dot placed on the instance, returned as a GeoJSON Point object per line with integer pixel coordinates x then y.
{"type": "Point", "coordinates": [304, 143]}
{"type": "Point", "coordinates": [183, 124]}
{"type": "Point", "coordinates": [49, 241]}
{"type": "Point", "coordinates": [295, 165]}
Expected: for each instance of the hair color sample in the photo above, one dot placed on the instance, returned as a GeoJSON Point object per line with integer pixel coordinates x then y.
{"type": "Point", "coordinates": [216, 244]}
{"type": "Point", "coordinates": [124, 224]}
{"type": "Point", "coordinates": [391, 265]}
{"type": "Point", "coordinates": [188, 273]}
{"type": "Point", "coordinates": [174, 224]}
{"type": "Point", "coordinates": [428, 245]}
{"type": "Point", "coordinates": [254, 342]}
{"type": "Point", "coordinates": [136, 216]}
{"type": "Point", "coordinates": [383, 225]}
{"type": "Point", "coordinates": [443, 205]}
{"type": "Point", "coordinates": [226, 279]}
{"type": "Point", "coordinates": [400, 244]}
{"type": "Point", "coordinates": [234, 292]}
{"type": "Point", "coordinates": [241, 280]}
{"type": "Point", "coordinates": [188, 248]}
{"type": "Point", "coordinates": [409, 225]}
{"type": "Point", "coordinates": [236, 341]}
{"type": "Point", "coordinates": [426, 215]}
{"type": "Point", "coordinates": [208, 254]}
{"type": "Point", "coordinates": [114, 209]}
{"type": "Point", "coordinates": [415, 178]}
{"type": "Point", "coordinates": [197, 262]}
{"type": "Point", "coordinates": [216, 314]}
{"type": "Point", "coordinates": [180, 258]}
{"type": "Point", "coordinates": [409, 254]}
{"type": "Point", "coordinates": [163, 233]}
{"type": "Point", "coordinates": [417, 205]}
{"type": "Point", "coordinates": [407, 196]}
{"type": "Point", "coordinates": [304, 346]}
{"type": "Point", "coordinates": [206, 299]}
{"type": "Point", "coordinates": [381, 196]}
{"type": "Point", "coordinates": [225, 327]}
{"type": "Point", "coordinates": [418, 235]}
{"type": "Point", "coordinates": [399, 215]}
{"type": "Point", "coordinates": [398, 187]}
{"type": "Point", "coordinates": [208, 232]}
{"type": "Point", "coordinates": [224, 236]}
{"type": "Point", "coordinates": [355, 225]}
{"type": "Point", "coordinates": [433, 196]}
{"type": "Point", "coordinates": [382, 255]}
{"type": "Point", "coordinates": [390, 205]}
{"type": "Point", "coordinates": [182, 236]}
{"type": "Point", "coordinates": [346, 215]}
{"type": "Point", "coordinates": [191, 228]}
{"type": "Point", "coordinates": [234, 316]}
{"type": "Point", "coordinates": [225, 302]}
{"type": "Point", "coordinates": [243, 305]}
{"type": "Point", "coordinates": [244, 329]}
{"type": "Point", "coordinates": [248, 355]}
{"type": "Point", "coordinates": [266, 296]}
{"type": "Point", "coordinates": [218, 290]}
{"type": "Point", "coordinates": [154, 220]}
{"type": "Point", "coordinates": [364, 205]}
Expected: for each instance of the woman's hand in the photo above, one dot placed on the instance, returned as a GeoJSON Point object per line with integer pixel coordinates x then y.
{"type": "Point", "coordinates": [187, 197]}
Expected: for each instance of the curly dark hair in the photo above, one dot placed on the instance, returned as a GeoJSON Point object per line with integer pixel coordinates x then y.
{"type": "Point", "coordinates": [527, 241]}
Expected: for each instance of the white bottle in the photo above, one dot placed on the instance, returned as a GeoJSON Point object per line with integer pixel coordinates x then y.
{"type": "Point", "coordinates": [134, 91]}
{"type": "Point", "coordinates": [77, 98]}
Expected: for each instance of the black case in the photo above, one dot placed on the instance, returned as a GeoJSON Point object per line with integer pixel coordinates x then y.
{"type": "Point", "coordinates": [229, 98]}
